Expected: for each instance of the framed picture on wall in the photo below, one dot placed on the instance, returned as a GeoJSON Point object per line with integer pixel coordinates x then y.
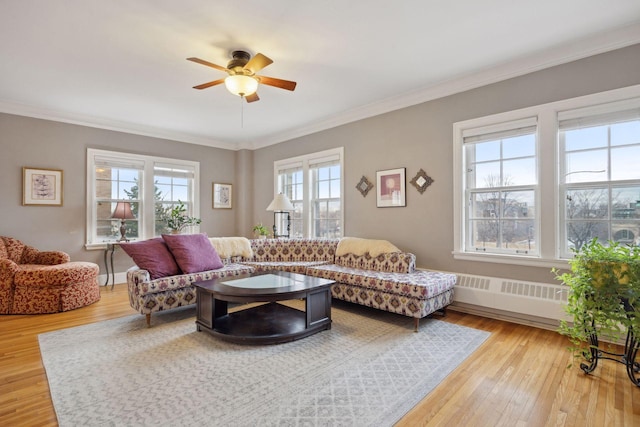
{"type": "Point", "coordinates": [41, 187]}
{"type": "Point", "coordinates": [391, 190]}
{"type": "Point", "coordinates": [222, 194]}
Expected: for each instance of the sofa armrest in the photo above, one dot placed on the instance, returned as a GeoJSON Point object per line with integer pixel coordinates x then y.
{"type": "Point", "coordinates": [33, 256]}
{"type": "Point", "coordinates": [8, 270]}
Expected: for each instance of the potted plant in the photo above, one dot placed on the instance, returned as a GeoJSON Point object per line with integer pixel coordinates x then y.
{"type": "Point", "coordinates": [603, 297]}
{"type": "Point", "coordinates": [260, 231]}
{"type": "Point", "coordinates": [177, 220]}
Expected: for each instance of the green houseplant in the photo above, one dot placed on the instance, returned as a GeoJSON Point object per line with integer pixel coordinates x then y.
{"type": "Point", "coordinates": [177, 220]}
{"type": "Point", "coordinates": [260, 230]}
{"type": "Point", "coordinates": [603, 295]}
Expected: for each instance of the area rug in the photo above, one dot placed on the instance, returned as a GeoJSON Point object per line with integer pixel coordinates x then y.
{"type": "Point", "coordinates": [370, 368]}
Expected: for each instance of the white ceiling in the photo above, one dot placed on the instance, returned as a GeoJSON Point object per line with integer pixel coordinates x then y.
{"type": "Point", "coordinates": [121, 64]}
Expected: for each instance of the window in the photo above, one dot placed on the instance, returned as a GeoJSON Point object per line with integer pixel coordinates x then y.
{"type": "Point", "coordinates": [501, 188]}
{"type": "Point", "coordinates": [152, 185]}
{"type": "Point", "coordinates": [600, 183]}
{"type": "Point", "coordinates": [313, 183]}
{"type": "Point", "coordinates": [531, 185]}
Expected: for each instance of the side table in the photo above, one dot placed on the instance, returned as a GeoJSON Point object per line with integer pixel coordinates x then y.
{"type": "Point", "coordinates": [111, 248]}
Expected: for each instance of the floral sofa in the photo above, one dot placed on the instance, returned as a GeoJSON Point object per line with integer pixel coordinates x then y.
{"type": "Point", "coordinates": [384, 278]}
{"type": "Point", "coordinates": [36, 282]}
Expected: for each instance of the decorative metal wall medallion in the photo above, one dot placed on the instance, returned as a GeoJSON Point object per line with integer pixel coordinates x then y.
{"type": "Point", "coordinates": [421, 181]}
{"type": "Point", "coordinates": [364, 186]}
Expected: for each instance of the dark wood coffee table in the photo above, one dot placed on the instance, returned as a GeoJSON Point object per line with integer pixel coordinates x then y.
{"type": "Point", "coordinates": [269, 323]}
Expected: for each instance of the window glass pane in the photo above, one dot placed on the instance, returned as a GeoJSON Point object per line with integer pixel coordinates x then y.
{"type": "Point", "coordinates": [323, 189]}
{"type": "Point", "coordinates": [485, 205]}
{"type": "Point", "coordinates": [586, 166]}
{"type": "Point", "coordinates": [581, 232]}
{"type": "Point", "coordinates": [590, 203]}
{"type": "Point", "coordinates": [625, 163]}
{"type": "Point", "coordinates": [335, 188]}
{"type": "Point", "coordinates": [626, 232]}
{"type": "Point", "coordinates": [518, 204]}
{"type": "Point", "coordinates": [625, 202]}
{"type": "Point", "coordinates": [487, 175]}
{"type": "Point", "coordinates": [519, 172]}
{"type": "Point", "coordinates": [486, 151]}
{"type": "Point", "coordinates": [484, 233]}
{"type": "Point", "coordinates": [518, 235]}
{"type": "Point", "coordinates": [625, 133]}
{"type": "Point", "coordinates": [519, 146]}
{"type": "Point", "coordinates": [580, 139]}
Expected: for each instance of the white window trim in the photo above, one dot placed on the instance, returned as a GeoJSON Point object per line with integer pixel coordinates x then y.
{"type": "Point", "coordinates": [548, 173]}
{"type": "Point", "coordinates": [147, 222]}
{"type": "Point", "coordinates": [304, 161]}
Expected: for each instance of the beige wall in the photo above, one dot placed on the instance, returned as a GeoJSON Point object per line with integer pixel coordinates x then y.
{"type": "Point", "coordinates": [415, 137]}
{"type": "Point", "coordinates": [47, 144]}
{"type": "Point", "coordinates": [421, 137]}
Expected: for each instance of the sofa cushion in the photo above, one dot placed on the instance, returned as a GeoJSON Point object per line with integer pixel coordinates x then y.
{"type": "Point", "coordinates": [288, 266]}
{"type": "Point", "coordinates": [193, 252]}
{"type": "Point", "coordinates": [395, 262]}
{"type": "Point", "coordinates": [293, 250]}
{"type": "Point", "coordinates": [140, 285]}
{"type": "Point", "coordinates": [152, 255]}
{"type": "Point", "coordinates": [420, 284]}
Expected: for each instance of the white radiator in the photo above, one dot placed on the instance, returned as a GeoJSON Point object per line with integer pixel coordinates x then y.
{"type": "Point", "coordinates": [530, 303]}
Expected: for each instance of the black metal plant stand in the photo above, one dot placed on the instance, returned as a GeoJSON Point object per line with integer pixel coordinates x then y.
{"type": "Point", "coordinates": [627, 358]}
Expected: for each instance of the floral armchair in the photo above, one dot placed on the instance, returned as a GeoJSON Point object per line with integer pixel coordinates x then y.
{"type": "Point", "coordinates": [33, 281]}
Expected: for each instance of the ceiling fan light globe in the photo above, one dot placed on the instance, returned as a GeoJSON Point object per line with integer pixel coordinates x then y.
{"type": "Point", "coordinates": [241, 85]}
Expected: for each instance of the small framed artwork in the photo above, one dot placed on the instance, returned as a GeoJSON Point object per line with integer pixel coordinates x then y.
{"type": "Point", "coordinates": [391, 190]}
{"type": "Point", "coordinates": [364, 186]}
{"type": "Point", "coordinates": [41, 187]}
{"type": "Point", "coordinates": [222, 196]}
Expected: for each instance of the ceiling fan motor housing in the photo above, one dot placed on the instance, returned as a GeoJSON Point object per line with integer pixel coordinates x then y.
{"type": "Point", "coordinates": [240, 59]}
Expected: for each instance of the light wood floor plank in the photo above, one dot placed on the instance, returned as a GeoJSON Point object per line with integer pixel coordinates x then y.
{"type": "Point", "coordinates": [517, 378]}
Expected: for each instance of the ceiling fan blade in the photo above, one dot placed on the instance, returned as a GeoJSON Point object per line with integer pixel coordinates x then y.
{"type": "Point", "coordinates": [253, 97]}
{"type": "Point", "coordinates": [206, 85]}
{"type": "Point", "coordinates": [282, 84]}
{"type": "Point", "coordinates": [257, 63]}
{"type": "Point", "coordinates": [208, 64]}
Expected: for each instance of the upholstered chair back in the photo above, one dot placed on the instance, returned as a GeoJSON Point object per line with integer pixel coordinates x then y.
{"type": "Point", "coordinates": [16, 251]}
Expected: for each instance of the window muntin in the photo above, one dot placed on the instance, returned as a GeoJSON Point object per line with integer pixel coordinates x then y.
{"type": "Point", "coordinates": [601, 185]}
{"type": "Point", "coordinates": [150, 184]}
{"type": "Point", "coordinates": [313, 183]}
{"type": "Point", "coordinates": [501, 190]}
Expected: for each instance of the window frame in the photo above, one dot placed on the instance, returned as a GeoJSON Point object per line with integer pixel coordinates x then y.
{"type": "Point", "coordinates": [147, 200]}
{"type": "Point", "coordinates": [306, 164]}
{"type": "Point", "coordinates": [549, 170]}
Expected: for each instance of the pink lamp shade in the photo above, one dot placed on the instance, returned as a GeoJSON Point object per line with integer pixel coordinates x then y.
{"type": "Point", "coordinates": [123, 211]}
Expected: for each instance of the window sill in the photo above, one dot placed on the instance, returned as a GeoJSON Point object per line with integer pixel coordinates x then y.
{"type": "Point", "coordinates": [512, 260]}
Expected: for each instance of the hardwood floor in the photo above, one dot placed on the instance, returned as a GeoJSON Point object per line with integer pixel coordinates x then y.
{"type": "Point", "coordinates": [517, 378]}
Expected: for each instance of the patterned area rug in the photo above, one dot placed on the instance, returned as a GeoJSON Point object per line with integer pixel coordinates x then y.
{"type": "Point", "coordinates": [369, 369]}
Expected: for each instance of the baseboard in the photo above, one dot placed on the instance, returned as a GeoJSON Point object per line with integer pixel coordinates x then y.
{"type": "Point", "coordinates": [507, 316]}
{"type": "Point", "coordinates": [119, 278]}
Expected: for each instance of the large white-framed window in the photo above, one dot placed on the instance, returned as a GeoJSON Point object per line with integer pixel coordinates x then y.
{"type": "Point", "coordinates": [151, 185]}
{"type": "Point", "coordinates": [587, 183]}
{"type": "Point", "coordinates": [501, 188]}
{"type": "Point", "coordinates": [600, 175]}
{"type": "Point", "coordinates": [314, 184]}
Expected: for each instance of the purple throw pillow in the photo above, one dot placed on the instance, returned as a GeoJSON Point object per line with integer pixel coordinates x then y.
{"type": "Point", "coordinates": [152, 255]}
{"type": "Point", "coordinates": [193, 252]}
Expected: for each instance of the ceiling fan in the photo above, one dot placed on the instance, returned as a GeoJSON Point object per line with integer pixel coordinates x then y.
{"type": "Point", "coordinates": [242, 79]}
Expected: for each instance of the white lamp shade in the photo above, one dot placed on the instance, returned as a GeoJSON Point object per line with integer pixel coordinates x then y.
{"type": "Point", "coordinates": [241, 85]}
{"type": "Point", "coordinates": [281, 203]}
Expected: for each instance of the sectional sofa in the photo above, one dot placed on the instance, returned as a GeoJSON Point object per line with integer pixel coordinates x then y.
{"type": "Point", "coordinates": [373, 273]}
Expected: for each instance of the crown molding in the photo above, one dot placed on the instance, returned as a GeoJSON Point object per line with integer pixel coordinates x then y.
{"type": "Point", "coordinates": [558, 55]}
{"type": "Point", "coordinates": [113, 125]}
